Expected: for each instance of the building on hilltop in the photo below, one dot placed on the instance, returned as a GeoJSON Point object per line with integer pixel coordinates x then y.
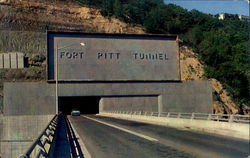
{"type": "Point", "coordinates": [244, 18]}
{"type": "Point", "coordinates": [226, 16]}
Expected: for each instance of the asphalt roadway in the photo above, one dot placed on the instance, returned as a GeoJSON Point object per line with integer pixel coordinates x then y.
{"type": "Point", "coordinates": [106, 137]}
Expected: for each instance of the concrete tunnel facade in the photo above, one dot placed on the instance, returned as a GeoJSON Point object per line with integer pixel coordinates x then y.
{"type": "Point", "coordinates": [107, 72]}
{"type": "Point", "coordinates": [98, 73]}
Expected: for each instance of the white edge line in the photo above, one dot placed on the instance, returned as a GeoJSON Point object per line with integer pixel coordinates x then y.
{"type": "Point", "coordinates": [125, 130]}
{"type": "Point", "coordinates": [82, 145]}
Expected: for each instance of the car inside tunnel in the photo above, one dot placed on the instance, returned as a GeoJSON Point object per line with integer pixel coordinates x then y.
{"type": "Point", "coordinates": [85, 104]}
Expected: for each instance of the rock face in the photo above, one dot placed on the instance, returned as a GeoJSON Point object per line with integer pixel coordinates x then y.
{"type": "Point", "coordinates": [223, 100]}
{"type": "Point", "coordinates": [191, 67]}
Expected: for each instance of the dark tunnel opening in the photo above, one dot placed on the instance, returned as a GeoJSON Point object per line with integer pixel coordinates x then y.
{"type": "Point", "coordinates": [86, 105]}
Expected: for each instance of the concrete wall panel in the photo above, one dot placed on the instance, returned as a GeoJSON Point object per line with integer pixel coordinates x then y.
{"type": "Point", "coordinates": [113, 57]}
{"type": "Point", "coordinates": [39, 98]}
{"type": "Point", "coordinates": [1, 61]}
{"type": "Point", "coordinates": [29, 99]}
{"type": "Point", "coordinates": [18, 133]}
{"type": "Point", "coordinates": [129, 103]}
{"type": "Point", "coordinates": [13, 60]}
{"type": "Point", "coordinates": [20, 60]}
{"type": "Point", "coordinates": [6, 61]}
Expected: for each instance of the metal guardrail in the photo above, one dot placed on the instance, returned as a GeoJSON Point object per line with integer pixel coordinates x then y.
{"type": "Point", "coordinates": [196, 116]}
{"type": "Point", "coordinates": [76, 150]}
{"type": "Point", "coordinates": [40, 147]}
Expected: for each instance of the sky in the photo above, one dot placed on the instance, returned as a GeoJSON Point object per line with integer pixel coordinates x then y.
{"type": "Point", "coordinates": [214, 6]}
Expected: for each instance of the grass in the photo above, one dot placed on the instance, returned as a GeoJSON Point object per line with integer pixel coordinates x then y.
{"type": "Point", "coordinates": [29, 43]}
{"type": "Point", "coordinates": [23, 41]}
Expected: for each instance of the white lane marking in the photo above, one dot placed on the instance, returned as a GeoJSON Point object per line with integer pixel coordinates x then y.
{"type": "Point", "coordinates": [82, 145]}
{"type": "Point", "coordinates": [125, 130]}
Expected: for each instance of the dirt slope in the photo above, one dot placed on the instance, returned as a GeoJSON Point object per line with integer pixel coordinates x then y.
{"type": "Point", "coordinates": [57, 15]}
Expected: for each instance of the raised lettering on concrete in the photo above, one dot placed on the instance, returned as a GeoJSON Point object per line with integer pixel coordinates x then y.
{"type": "Point", "coordinates": [113, 57]}
{"type": "Point", "coordinates": [71, 55]}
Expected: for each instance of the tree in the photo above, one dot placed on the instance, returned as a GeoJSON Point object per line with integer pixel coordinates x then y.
{"type": "Point", "coordinates": [107, 7]}
{"type": "Point", "coordinates": [118, 10]}
{"type": "Point", "coordinates": [194, 37]}
{"type": "Point", "coordinates": [157, 19]}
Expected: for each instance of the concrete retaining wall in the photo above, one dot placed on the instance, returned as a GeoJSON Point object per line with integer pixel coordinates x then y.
{"type": "Point", "coordinates": [39, 98]}
{"type": "Point", "coordinates": [28, 99]}
{"type": "Point", "coordinates": [135, 103]}
{"type": "Point", "coordinates": [1, 133]}
{"type": "Point", "coordinates": [18, 133]}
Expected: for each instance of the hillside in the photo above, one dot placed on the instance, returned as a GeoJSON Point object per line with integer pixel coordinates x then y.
{"type": "Point", "coordinates": [23, 29]}
{"type": "Point", "coordinates": [37, 15]}
{"type": "Point", "coordinates": [193, 69]}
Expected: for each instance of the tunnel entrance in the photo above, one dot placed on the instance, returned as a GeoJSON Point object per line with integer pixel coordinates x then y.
{"type": "Point", "coordinates": [86, 105]}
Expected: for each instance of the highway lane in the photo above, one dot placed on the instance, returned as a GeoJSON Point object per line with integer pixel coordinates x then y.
{"type": "Point", "coordinates": [196, 143]}
{"type": "Point", "coordinates": [104, 140]}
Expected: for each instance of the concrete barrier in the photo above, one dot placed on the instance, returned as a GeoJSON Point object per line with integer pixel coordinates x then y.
{"type": "Point", "coordinates": [13, 60]}
{"type": "Point", "coordinates": [1, 133]}
{"type": "Point", "coordinates": [236, 130]}
{"type": "Point", "coordinates": [18, 133]}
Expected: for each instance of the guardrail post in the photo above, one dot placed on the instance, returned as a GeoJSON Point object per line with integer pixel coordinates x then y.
{"type": "Point", "coordinates": [179, 115]}
{"type": "Point", "coordinates": [192, 116]}
{"type": "Point", "coordinates": [159, 114]}
{"type": "Point", "coordinates": [231, 118]}
{"type": "Point", "coordinates": [209, 117]}
{"type": "Point", "coordinates": [168, 114]}
{"type": "Point", "coordinates": [218, 118]}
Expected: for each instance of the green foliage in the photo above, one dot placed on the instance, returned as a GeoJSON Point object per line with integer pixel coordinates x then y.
{"type": "Point", "coordinates": [222, 45]}
{"type": "Point", "coordinates": [94, 3]}
{"type": "Point", "coordinates": [227, 60]}
{"type": "Point", "coordinates": [36, 59]}
{"type": "Point", "coordinates": [157, 20]}
{"type": "Point", "coordinates": [136, 11]}
{"type": "Point", "coordinates": [117, 8]}
{"type": "Point", "coordinates": [107, 8]}
{"type": "Point", "coordinates": [194, 36]}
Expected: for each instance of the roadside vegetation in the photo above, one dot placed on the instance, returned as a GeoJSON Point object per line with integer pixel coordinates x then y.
{"type": "Point", "coordinates": [33, 45]}
{"type": "Point", "coordinates": [222, 45]}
